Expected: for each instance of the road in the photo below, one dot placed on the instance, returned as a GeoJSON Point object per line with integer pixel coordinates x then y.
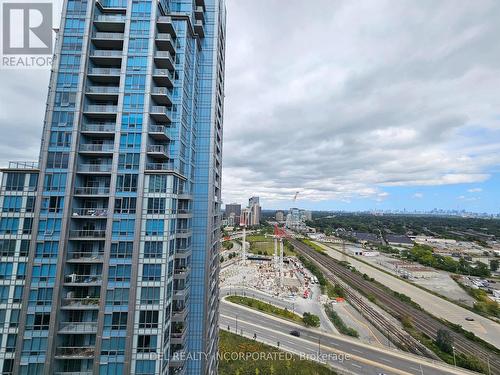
{"type": "Point", "coordinates": [482, 327]}
{"type": "Point", "coordinates": [359, 358]}
{"type": "Point", "coordinates": [293, 304]}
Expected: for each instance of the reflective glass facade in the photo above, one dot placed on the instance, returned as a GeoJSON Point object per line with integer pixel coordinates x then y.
{"type": "Point", "coordinates": [108, 245]}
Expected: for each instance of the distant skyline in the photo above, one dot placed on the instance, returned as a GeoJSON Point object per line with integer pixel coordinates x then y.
{"type": "Point", "coordinates": [357, 105]}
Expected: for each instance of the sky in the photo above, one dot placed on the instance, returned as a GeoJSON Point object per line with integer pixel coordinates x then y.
{"type": "Point", "coordinates": [355, 105]}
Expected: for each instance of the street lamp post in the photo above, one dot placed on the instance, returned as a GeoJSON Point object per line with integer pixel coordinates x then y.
{"type": "Point", "coordinates": [319, 346]}
{"type": "Point", "coordinates": [454, 358]}
{"type": "Point", "coordinates": [236, 330]}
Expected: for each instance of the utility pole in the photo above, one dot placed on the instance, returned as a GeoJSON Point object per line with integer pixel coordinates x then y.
{"type": "Point", "coordinates": [281, 262]}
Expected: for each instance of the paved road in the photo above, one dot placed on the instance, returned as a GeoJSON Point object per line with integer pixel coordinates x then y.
{"type": "Point", "coordinates": [293, 304]}
{"type": "Point", "coordinates": [361, 359]}
{"type": "Point", "coordinates": [482, 327]}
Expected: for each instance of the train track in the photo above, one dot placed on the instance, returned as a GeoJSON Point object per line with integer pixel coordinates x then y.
{"type": "Point", "coordinates": [421, 320]}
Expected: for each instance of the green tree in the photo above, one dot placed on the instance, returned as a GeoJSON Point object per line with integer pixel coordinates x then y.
{"type": "Point", "coordinates": [444, 341]}
{"type": "Point", "coordinates": [311, 320]}
{"type": "Point", "coordinates": [494, 265]}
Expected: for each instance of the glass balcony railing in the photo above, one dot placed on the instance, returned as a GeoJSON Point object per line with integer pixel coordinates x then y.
{"type": "Point", "coordinates": [87, 233]}
{"type": "Point", "coordinates": [92, 212]}
{"type": "Point", "coordinates": [94, 167]}
{"type": "Point", "coordinates": [105, 71]}
{"type": "Point", "coordinates": [75, 351]}
{"type": "Point", "coordinates": [102, 89]}
{"type": "Point", "coordinates": [88, 190]}
{"type": "Point", "coordinates": [106, 53]}
{"type": "Point", "coordinates": [112, 36]}
{"type": "Point", "coordinates": [94, 147]}
{"type": "Point", "coordinates": [110, 18]}
{"type": "Point", "coordinates": [83, 279]}
{"type": "Point", "coordinates": [88, 302]}
{"type": "Point", "coordinates": [98, 128]}
{"type": "Point", "coordinates": [101, 108]}
{"type": "Point", "coordinates": [78, 327]}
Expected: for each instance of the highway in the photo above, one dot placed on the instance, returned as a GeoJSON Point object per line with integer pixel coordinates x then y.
{"type": "Point", "coordinates": [358, 358]}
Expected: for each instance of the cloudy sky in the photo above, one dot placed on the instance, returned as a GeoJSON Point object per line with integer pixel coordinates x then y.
{"type": "Point", "coordinates": [355, 104]}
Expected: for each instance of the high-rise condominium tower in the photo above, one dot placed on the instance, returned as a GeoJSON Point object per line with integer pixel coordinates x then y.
{"type": "Point", "coordinates": [108, 245]}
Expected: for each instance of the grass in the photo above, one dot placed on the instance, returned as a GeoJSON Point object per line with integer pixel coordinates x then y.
{"type": "Point", "coordinates": [279, 364]}
{"type": "Point", "coordinates": [264, 245]}
{"type": "Point", "coordinates": [339, 323]}
{"type": "Point", "coordinates": [265, 307]}
{"type": "Point", "coordinates": [312, 245]}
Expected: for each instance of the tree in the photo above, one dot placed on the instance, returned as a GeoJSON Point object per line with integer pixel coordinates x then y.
{"type": "Point", "coordinates": [444, 341]}
{"type": "Point", "coordinates": [221, 259]}
{"type": "Point", "coordinates": [311, 320]}
{"type": "Point", "coordinates": [494, 265]}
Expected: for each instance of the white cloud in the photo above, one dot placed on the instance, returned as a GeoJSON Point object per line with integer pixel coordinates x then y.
{"type": "Point", "coordinates": [475, 190]}
{"type": "Point", "coordinates": [418, 195]}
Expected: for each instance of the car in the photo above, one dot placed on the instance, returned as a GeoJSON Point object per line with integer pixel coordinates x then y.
{"type": "Point", "coordinates": [469, 319]}
{"type": "Point", "coordinates": [295, 333]}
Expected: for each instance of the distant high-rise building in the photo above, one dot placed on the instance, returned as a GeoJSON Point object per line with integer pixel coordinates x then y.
{"type": "Point", "coordinates": [233, 208]}
{"type": "Point", "coordinates": [280, 216]}
{"type": "Point", "coordinates": [255, 210]}
{"type": "Point", "coordinates": [110, 244]}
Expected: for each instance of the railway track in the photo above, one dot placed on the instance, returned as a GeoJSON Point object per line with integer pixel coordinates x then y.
{"type": "Point", "coordinates": [422, 321]}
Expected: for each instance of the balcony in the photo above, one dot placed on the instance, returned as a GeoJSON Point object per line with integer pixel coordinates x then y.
{"type": "Point", "coordinates": [87, 234]}
{"type": "Point", "coordinates": [89, 303]}
{"type": "Point", "coordinates": [178, 337]}
{"type": "Point", "coordinates": [160, 113]}
{"type": "Point", "coordinates": [165, 42]}
{"type": "Point", "coordinates": [165, 25]}
{"type": "Point", "coordinates": [92, 190]}
{"type": "Point", "coordinates": [184, 214]}
{"type": "Point", "coordinates": [104, 75]}
{"type": "Point", "coordinates": [179, 315]}
{"type": "Point", "coordinates": [159, 132]}
{"type": "Point", "coordinates": [101, 111]}
{"type": "Point", "coordinates": [107, 57]}
{"type": "Point", "coordinates": [157, 151]}
{"type": "Point", "coordinates": [83, 280]}
{"type": "Point", "coordinates": [183, 233]}
{"type": "Point", "coordinates": [181, 272]}
{"type": "Point", "coordinates": [160, 167]}
{"type": "Point", "coordinates": [164, 59]}
{"type": "Point", "coordinates": [106, 129]}
{"type": "Point", "coordinates": [199, 28]}
{"type": "Point", "coordinates": [75, 352]}
{"type": "Point", "coordinates": [112, 5]}
{"type": "Point", "coordinates": [78, 328]}
{"type": "Point", "coordinates": [102, 92]}
{"type": "Point", "coordinates": [95, 168]}
{"type": "Point", "coordinates": [90, 213]}
{"type": "Point", "coordinates": [200, 3]}
{"type": "Point", "coordinates": [110, 23]}
{"type": "Point", "coordinates": [163, 77]}
{"type": "Point", "coordinates": [96, 148]}
{"type": "Point", "coordinates": [108, 40]}
{"type": "Point", "coordinates": [85, 257]}
{"type": "Point", "coordinates": [199, 13]}
{"type": "Point", "coordinates": [161, 95]}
